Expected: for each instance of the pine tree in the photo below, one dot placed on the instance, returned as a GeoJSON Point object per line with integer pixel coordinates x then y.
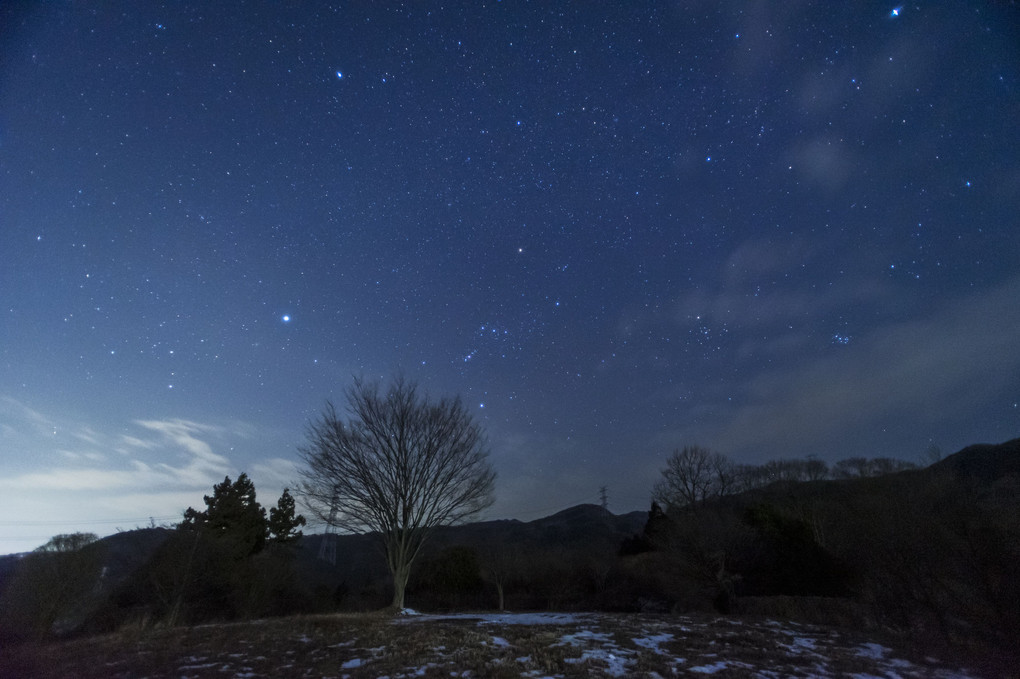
{"type": "Point", "coordinates": [232, 516]}
{"type": "Point", "coordinates": [283, 523]}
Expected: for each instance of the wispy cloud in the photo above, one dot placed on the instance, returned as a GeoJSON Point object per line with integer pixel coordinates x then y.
{"type": "Point", "coordinates": [55, 470]}
{"type": "Point", "coordinates": [914, 373]}
{"type": "Point", "coordinates": [68, 475]}
{"type": "Point", "coordinates": [185, 434]}
{"type": "Point", "coordinates": [274, 473]}
{"type": "Point", "coordinates": [92, 471]}
{"type": "Point", "coordinates": [20, 418]}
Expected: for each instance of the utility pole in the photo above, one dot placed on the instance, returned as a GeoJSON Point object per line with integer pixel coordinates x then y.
{"type": "Point", "coordinates": [604, 497]}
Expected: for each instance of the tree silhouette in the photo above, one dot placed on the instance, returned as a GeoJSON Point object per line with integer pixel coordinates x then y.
{"type": "Point", "coordinates": [693, 475]}
{"type": "Point", "coordinates": [51, 584]}
{"type": "Point", "coordinates": [402, 465]}
{"type": "Point", "coordinates": [283, 521]}
{"type": "Point", "coordinates": [232, 516]}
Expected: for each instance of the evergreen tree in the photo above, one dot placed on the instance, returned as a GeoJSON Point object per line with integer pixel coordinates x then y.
{"type": "Point", "coordinates": [283, 522]}
{"type": "Point", "coordinates": [232, 516]}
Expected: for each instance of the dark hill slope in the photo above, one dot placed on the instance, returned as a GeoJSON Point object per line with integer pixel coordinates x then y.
{"type": "Point", "coordinates": [932, 550]}
{"type": "Point", "coordinates": [583, 531]}
{"type": "Point", "coordinates": [983, 462]}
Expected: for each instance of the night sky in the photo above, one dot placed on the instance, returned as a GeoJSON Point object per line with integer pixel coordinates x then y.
{"type": "Point", "coordinates": [770, 229]}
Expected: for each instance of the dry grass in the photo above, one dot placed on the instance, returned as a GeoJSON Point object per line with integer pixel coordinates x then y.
{"type": "Point", "coordinates": [375, 645]}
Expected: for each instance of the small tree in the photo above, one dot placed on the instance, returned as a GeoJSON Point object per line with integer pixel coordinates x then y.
{"type": "Point", "coordinates": [501, 565]}
{"type": "Point", "coordinates": [283, 522]}
{"type": "Point", "coordinates": [402, 465]}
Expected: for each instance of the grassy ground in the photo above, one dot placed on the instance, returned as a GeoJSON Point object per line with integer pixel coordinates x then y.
{"type": "Point", "coordinates": [564, 645]}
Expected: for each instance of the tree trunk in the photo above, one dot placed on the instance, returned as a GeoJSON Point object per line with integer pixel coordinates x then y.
{"type": "Point", "coordinates": [499, 589]}
{"type": "Point", "coordinates": [400, 576]}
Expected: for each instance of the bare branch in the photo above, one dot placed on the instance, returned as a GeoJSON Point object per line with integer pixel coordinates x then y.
{"type": "Point", "coordinates": [402, 464]}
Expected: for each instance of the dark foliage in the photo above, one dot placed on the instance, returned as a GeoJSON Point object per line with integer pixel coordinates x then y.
{"type": "Point", "coordinates": [788, 559]}
{"type": "Point", "coordinates": [284, 521]}
{"type": "Point", "coordinates": [233, 517]}
{"type": "Point", "coordinates": [932, 553]}
{"type": "Point", "coordinates": [53, 589]}
{"type": "Point", "coordinates": [451, 579]}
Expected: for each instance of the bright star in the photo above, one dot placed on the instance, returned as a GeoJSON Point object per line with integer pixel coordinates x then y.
{"type": "Point", "coordinates": [285, 318]}
{"type": "Point", "coordinates": [339, 75]}
{"type": "Point", "coordinates": [896, 11]}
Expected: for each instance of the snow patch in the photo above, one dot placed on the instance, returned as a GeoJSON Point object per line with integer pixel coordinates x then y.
{"type": "Point", "coordinates": [527, 618]}
{"type": "Point", "coordinates": [710, 669]}
{"type": "Point", "coordinates": [871, 650]}
{"type": "Point", "coordinates": [616, 666]}
{"type": "Point", "coordinates": [652, 643]}
{"type": "Point", "coordinates": [499, 618]}
{"type": "Point", "coordinates": [582, 637]}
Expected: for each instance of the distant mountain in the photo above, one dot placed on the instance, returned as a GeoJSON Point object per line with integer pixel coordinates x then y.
{"type": "Point", "coordinates": [584, 530]}
{"type": "Point", "coordinates": [986, 463]}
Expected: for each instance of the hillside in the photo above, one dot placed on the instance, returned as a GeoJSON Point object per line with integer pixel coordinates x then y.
{"type": "Point", "coordinates": [584, 531]}
{"type": "Point", "coordinates": [358, 580]}
{"type": "Point", "coordinates": [929, 552]}
{"type": "Point", "coordinates": [988, 464]}
{"type": "Point", "coordinates": [932, 550]}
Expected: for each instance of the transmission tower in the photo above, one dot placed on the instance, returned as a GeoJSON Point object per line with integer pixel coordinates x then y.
{"type": "Point", "coordinates": [327, 548]}
{"type": "Point", "coordinates": [604, 497]}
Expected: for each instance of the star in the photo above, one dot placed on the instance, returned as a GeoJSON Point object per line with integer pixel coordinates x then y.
{"type": "Point", "coordinates": [555, 233]}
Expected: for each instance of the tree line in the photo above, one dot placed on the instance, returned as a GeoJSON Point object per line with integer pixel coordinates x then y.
{"type": "Point", "coordinates": [865, 541]}
{"type": "Point", "coordinates": [694, 475]}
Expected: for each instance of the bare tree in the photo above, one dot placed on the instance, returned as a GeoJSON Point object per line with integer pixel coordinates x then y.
{"type": "Point", "coordinates": [861, 467]}
{"type": "Point", "coordinates": [852, 468]}
{"type": "Point", "coordinates": [815, 469]}
{"type": "Point", "coordinates": [402, 465]}
{"type": "Point", "coordinates": [502, 564]}
{"type": "Point", "coordinates": [693, 475]}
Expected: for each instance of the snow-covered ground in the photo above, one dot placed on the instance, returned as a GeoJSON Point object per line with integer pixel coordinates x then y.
{"type": "Point", "coordinates": [534, 645]}
{"type": "Point", "coordinates": [611, 645]}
